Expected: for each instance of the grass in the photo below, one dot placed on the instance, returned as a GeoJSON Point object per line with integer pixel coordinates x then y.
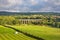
{"type": "Point", "coordinates": [45, 32]}
{"type": "Point", "coordinates": [9, 34]}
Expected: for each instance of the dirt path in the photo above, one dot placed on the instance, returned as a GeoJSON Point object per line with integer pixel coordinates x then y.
{"type": "Point", "coordinates": [29, 35]}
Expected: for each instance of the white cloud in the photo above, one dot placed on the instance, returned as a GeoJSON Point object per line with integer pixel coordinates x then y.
{"type": "Point", "coordinates": [13, 10]}
{"type": "Point", "coordinates": [19, 2]}
{"type": "Point", "coordinates": [45, 0]}
{"type": "Point", "coordinates": [46, 9]}
{"type": "Point", "coordinates": [15, 2]}
{"type": "Point", "coordinates": [26, 5]}
{"type": "Point", "coordinates": [25, 9]}
{"type": "Point", "coordinates": [10, 3]}
{"type": "Point", "coordinates": [57, 2]}
{"type": "Point", "coordinates": [34, 2]}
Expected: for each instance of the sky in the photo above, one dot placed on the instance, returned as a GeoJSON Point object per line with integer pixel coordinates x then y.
{"type": "Point", "coordinates": [30, 5]}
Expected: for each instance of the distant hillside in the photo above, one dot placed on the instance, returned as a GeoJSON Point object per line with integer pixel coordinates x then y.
{"type": "Point", "coordinates": [28, 13]}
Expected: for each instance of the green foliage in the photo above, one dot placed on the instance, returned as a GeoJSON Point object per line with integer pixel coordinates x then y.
{"type": "Point", "coordinates": [10, 20]}
{"type": "Point", "coordinates": [51, 20]}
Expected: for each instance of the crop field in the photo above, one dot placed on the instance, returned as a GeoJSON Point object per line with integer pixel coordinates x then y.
{"type": "Point", "coordinates": [44, 32]}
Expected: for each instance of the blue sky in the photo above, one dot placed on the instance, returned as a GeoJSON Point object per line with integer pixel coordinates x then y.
{"type": "Point", "coordinates": [30, 5]}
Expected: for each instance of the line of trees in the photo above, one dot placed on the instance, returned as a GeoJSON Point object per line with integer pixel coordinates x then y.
{"type": "Point", "coordinates": [10, 20]}
{"type": "Point", "coordinates": [53, 21]}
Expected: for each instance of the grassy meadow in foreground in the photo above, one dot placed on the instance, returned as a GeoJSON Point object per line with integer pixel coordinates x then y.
{"type": "Point", "coordinates": [10, 34]}
{"type": "Point", "coordinates": [45, 32]}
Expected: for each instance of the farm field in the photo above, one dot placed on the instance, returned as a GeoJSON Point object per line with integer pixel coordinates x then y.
{"type": "Point", "coordinates": [9, 34]}
{"type": "Point", "coordinates": [45, 32]}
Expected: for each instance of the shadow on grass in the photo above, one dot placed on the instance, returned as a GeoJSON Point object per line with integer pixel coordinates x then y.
{"type": "Point", "coordinates": [29, 35]}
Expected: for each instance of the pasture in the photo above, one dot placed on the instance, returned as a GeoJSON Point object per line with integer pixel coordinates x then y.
{"type": "Point", "coordinates": [10, 34]}
{"type": "Point", "coordinates": [41, 31]}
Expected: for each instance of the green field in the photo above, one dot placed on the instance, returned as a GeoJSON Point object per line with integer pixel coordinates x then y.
{"type": "Point", "coordinates": [9, 34]}
{"type": "Point", "coordinates": [45, 32]}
